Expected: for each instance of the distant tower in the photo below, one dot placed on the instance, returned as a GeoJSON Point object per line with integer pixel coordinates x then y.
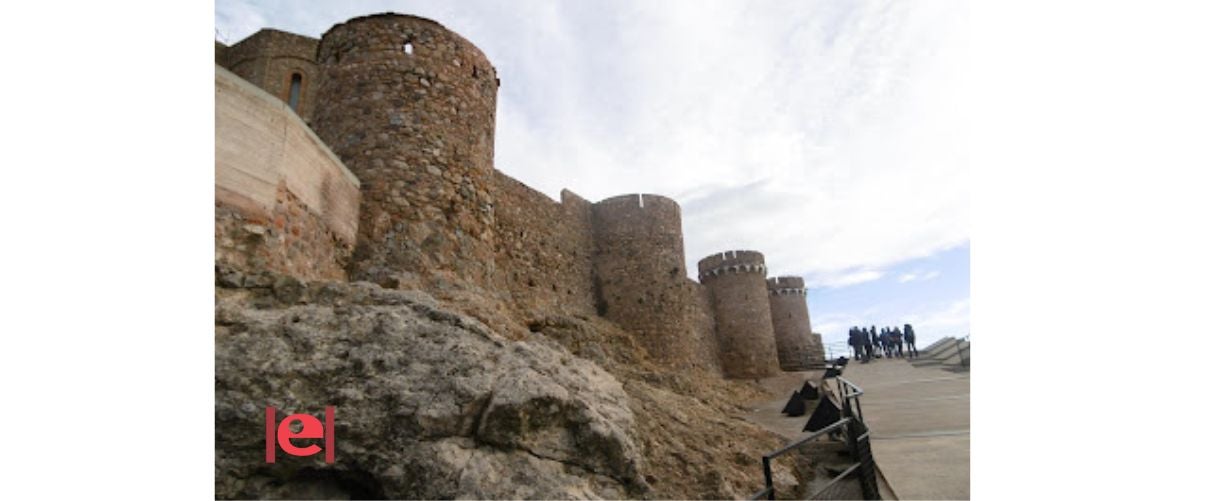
{"type": "Point", "coordinates": [640, 272]}
{"type": "Point", "coordinates": [797, 348]}
{"type": "Point", "coordinates": [736, 280]}
{"type": "Point", "coordinates": [409, 107]}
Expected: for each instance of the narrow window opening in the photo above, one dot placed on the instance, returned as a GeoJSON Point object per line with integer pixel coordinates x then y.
{"type": "Point", "coordinates": [409, 48]}
{"type": "Point", "coordinates": [295, 91]}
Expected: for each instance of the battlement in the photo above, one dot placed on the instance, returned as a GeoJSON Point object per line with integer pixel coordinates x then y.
{"type": "Point", "coordinates": [787, 285]}
{"type": "Point", "coordinates": [736, 261]}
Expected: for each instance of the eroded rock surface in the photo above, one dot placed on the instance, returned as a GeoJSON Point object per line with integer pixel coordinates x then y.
{"type": "Point", "coordinates": [429, 403]}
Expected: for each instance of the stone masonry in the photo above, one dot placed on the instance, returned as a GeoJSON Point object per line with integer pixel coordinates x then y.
{"type": "Point", "coordinates": [640, 269]}
{"type": "Point", "coordinates": [272, 59]}
{"type": "Point", "coordinates": [409, 108]}
{"type": "Point", "coordinates": [792, 328]}
{"type": "Point", "coordinates": [544, 250]}
{"type": "Point", "coordinates": [736, 280]}
{"type": "Point", "coordinates": [284, 202]}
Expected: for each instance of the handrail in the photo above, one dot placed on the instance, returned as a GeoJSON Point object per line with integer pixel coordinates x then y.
{"type": "Point", "coordinates": [816, 434]}
{"type": "Point", "coordinates": [856, 388]}
{"type": "Point", "coordinates": [842, 383]}
{"type": "Point", "coordinates": [765, 460]}
{"type": "Point", "coordinates": [851, 422]}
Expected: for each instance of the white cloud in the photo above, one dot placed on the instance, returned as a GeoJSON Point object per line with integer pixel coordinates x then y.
{"type": "Point", "coordinates": [953, 319]}
{"type": "Point", "coordinates": [845, 279]}
{"type": "Point", "coordinates": [918, 276]}
{"type": "Point", "coordinates": [825, 134]}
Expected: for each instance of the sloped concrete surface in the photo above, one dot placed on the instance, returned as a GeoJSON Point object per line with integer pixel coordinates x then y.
{"type": "Point", "coordinates": [920, 422]}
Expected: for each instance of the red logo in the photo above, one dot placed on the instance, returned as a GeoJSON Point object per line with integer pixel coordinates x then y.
{"type": "Point", "coordinates": [311, 427]}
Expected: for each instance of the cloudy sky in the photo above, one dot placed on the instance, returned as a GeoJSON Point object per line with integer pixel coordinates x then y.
{"type": "Point", "coordinates": [825, 134]}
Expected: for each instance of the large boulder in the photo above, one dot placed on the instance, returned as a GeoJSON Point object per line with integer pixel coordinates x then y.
{"type": "Point", "coordinates": [429, 403]}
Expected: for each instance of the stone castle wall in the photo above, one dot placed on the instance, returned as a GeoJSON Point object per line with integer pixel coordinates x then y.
{"type": "Point", "coordinates": [736, 281]}
{"type": "Point", "coordinates": [284, 202]}
{"type": "Point", "coordinates": [409, 107]}
{"type": "Point", "coordinates": [269, 59]}
{"type": "Point", "coordinates": [544, 250]}
{"type": "Point", "coordinates": [701, 319]}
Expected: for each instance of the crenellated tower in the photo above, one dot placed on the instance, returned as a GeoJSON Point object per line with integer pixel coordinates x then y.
{"type": "Point", "coordinates": [797, 349]}
{"type": "Point", "coordinates": [736, 282]}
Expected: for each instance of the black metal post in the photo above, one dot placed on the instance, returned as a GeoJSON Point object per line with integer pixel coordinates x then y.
{"type": "Point", "coordinates": [765, 466]}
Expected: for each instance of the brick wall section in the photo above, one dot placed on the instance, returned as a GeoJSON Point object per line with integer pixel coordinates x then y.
{"type": "Point", "coordinates": [792, 328]}
{"type": "Point", "coordinates": [544, 250]}
{"type": "Point", "coordinates": [641, 274]}
{"type": "Point", "coordinates": [269, 59]}
{"type": "Point", "coordinates": [736, 281]}
{"type": "Point", "coordinates": [288, 239]}
{"type": "Point", "coordinates": [284, 202]}
{"type": "Point", "coordinates": [417, 128]}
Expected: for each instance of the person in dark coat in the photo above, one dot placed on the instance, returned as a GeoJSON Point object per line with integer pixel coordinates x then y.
{"type": "Point", "coordinates": [874, 342]}
{"type": "Point", "coordinates": [855, 341]}
{"type": "Point", "coordinates": [867, 349]}
{"type": "Point", "coordinates": [897, 337]}
{"type": "Point", "coordinates": [910, 338]}
{"type": "Point", "coordinates": [888, 346]}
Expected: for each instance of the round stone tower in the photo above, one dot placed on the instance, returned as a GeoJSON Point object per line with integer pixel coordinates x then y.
{"type": "Point", "coordinates": [736, 281]}
{"type": "Point", "coordinates": [797, 349]}
{"type": "Point", "coordinates": [409, 108]}
{"type": "Point", "coordinates": [640, 274]}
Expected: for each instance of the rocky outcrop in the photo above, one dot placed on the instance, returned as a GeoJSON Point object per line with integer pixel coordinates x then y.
{"type": "Point", "coordinates": [430, 403]}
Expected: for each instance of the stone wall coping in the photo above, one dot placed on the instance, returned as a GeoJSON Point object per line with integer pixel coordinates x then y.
{"type": "Point", "coordinates": [237, 81]}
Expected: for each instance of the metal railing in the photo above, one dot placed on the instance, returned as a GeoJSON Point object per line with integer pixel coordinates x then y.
{"type": "Point", "coordinates": [857, 436]}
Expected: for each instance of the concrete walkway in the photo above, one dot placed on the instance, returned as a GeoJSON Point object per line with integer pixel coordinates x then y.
{"type": "Point", "coordinates": [920, 422]}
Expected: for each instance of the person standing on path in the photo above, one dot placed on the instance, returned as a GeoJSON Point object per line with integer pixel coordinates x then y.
{"type": "Point", "coordinates": [866, 348]}
{"type": "Point", "coordinates": [874, 342]}
{"type": "Point", "coordinates": [889, 343]}
{"type": "Point", "coordinates": [897, 337]}
{"type": "Point", "coordinates": [910, 338]}
{"type": "Point", "coordinates": [855, 342]}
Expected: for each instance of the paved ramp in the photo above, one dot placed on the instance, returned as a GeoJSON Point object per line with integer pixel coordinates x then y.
{"type": "Point", "coordinates": [920, 422]}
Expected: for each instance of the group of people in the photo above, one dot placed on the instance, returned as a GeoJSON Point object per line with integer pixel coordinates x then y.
{"type": "Point", "coordinates": [890, 341]}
